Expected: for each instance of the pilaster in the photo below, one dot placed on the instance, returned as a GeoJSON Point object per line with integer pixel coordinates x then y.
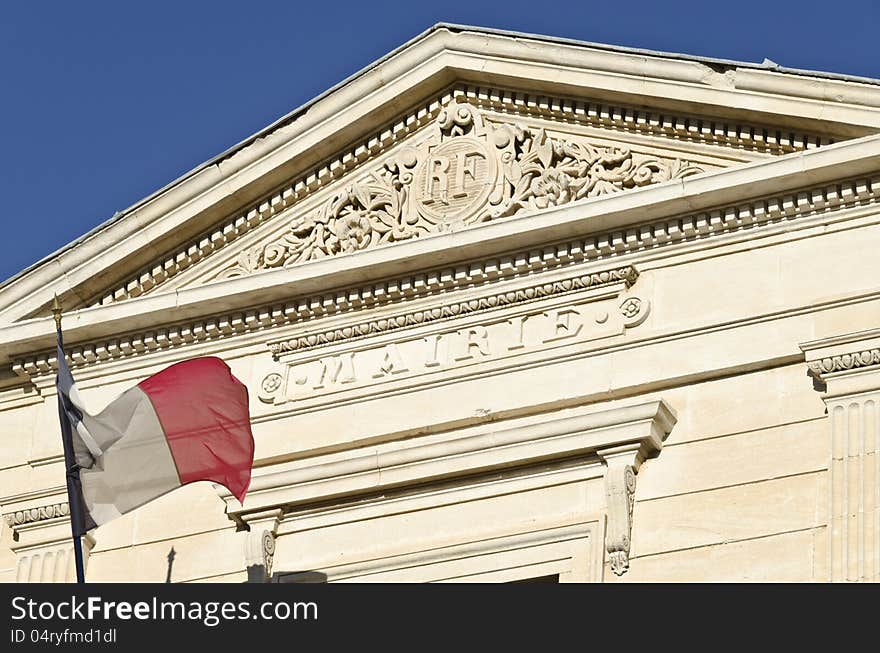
{"type": "Point", "coordinates": [43, 544]}
{"type": "Point", "coordinates": [847, 370]}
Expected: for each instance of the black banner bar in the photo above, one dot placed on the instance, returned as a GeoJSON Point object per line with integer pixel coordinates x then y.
{"type": "Point", "coordinates": [131, 617]}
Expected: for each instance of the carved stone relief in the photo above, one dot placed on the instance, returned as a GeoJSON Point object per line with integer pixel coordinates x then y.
{"type": "Point", "coordinates": [42, 545]}
{"type": "Point", "coordinates": [466, 171]}
{"type": "Point", "coordinates": [41, 513]}
{"type": "Point", "coordinates": [259, 554]}
{"type": "Point", "coordinates": [620, 487]}
{"type": "Point", "coordinates": [622, 466]}
{"type": "Point", "coordinates": [307, 369]}
{"type": "Point", "coordinates": [845, 362]}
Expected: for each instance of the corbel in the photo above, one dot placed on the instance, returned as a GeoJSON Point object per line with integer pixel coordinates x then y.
{"type": "Point", "coordinates": [259, 544]}
{"type": "Point", "coordinates": [622, 464]}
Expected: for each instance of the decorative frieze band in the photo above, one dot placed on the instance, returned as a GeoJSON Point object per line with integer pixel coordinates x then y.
{"type": "Point", "coordinates": [748, 215]}
{"type": "Point", "coordinates": [845, 362]}
{"type": "Point", "coordinates": [42, 513]}
{"type": "Point", "coordinates": [627, 274]}
{"type": "Point", "coordinates": [691, 128]}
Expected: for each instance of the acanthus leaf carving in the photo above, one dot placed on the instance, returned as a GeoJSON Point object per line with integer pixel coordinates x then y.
{"type": "Point", "coordinates": [466, 172]}
{"type": "Point", "coordinates": [622, 465]}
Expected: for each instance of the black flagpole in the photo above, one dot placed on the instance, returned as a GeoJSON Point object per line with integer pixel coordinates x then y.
{"type": "Point", "coordinates": [74, 487]}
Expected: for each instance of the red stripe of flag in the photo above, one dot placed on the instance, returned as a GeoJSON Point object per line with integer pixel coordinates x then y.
{"type": "Point", "coordinates": [203, 410]}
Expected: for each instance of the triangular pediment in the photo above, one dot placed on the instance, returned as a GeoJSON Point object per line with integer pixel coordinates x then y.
{"type": "Point", "coordinates": [445, 147]}
{"type": "Point", "coordinates": [465, 166]}
{"type": "Point", "coordinates": [465, 159]}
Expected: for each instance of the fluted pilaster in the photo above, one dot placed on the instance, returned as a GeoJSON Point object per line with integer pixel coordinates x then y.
{"type": "Point", "coordinates": [847, 369]}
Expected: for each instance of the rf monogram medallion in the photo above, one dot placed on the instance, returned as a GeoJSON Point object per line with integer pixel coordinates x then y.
{"type": "Point", "coordinates": [455, 180]}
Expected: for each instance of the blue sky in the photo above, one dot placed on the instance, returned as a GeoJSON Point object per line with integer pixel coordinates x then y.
{"type": "Point", "coordinates": [104, 102]}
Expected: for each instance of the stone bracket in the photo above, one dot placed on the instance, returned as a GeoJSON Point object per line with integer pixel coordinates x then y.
{"type": "Point", "coordinates": [259, 545]}
{"type": "Point", "coordinates": [622, 464]}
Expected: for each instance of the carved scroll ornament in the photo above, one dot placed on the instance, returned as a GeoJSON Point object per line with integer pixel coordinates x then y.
{"type": "Point", "coordinates": [468, 171]}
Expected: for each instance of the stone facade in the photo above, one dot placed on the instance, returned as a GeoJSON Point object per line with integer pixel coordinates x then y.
{"type": "Point", "coordinates": [507, 308]}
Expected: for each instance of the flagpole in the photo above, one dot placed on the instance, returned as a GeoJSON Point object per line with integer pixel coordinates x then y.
{"type": "Point", "coordinates": [74, 493]}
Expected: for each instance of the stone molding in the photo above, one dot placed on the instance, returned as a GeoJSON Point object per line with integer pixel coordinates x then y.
{"type": "Point", "coordinates": [366, 297]}
{"type": "Point", "coordinates": [33, 515]}
{"type": "Point", "coordinates": [690, 127]}
{"type": "Point", "coordinates": [845, 362]}
{"type": "Point", "coordinates": [700, 226]}
{"type": "Point", "coordinates": [627, 275]}
{"type": "Point", "coordinates": [621, 438]}
{"type": "Point", "coordinates": [555, 548]}
{"type": "Point", "coordinates": [737, 135]}
{"type": "Point", "coordinates": [644, 426]}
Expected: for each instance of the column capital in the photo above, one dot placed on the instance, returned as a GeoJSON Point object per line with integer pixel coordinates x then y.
{"type": "Point", "coordinates": [847, 364]}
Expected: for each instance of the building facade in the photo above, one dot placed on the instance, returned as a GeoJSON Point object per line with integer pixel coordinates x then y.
{"type": "Point", "coordinates": [508, 308]}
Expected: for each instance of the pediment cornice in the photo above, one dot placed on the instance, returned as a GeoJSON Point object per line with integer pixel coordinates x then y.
{"type": "Point", "coordinates": [376, 102]}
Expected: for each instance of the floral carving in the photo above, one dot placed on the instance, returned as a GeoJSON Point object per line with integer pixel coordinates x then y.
{"type": "Point", "coordinates": [545, 172]}
{"type": "Point", "coordinates": [362, 215]}
{"type": "Point", "coordinates": [271, 383]}
{"type": "Point", "coordinates": [467, 171]}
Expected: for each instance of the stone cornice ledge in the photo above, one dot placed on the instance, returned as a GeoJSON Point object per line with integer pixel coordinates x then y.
{"type": "Point", "coordinates": [638, 429]}
{"type": "Point", "coordinates": [619, 438]}
{"type": "Point", "coordinates": [605, 213]}
{"type": "Point", "coordinates": [617, 211]}
{"type": "Point", "coordinates": [847, 364]}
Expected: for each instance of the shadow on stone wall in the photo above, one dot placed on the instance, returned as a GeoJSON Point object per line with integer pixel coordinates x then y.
{"type": "Point", "coordinates": [298, 577]}
{"type": "Point", "coordinates": [257, 573]}
{"type": "Point", "coordinates": [171, 556]}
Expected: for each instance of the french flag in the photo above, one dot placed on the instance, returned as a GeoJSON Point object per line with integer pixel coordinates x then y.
{"type": "Point", "coordinates": [187, 423]}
